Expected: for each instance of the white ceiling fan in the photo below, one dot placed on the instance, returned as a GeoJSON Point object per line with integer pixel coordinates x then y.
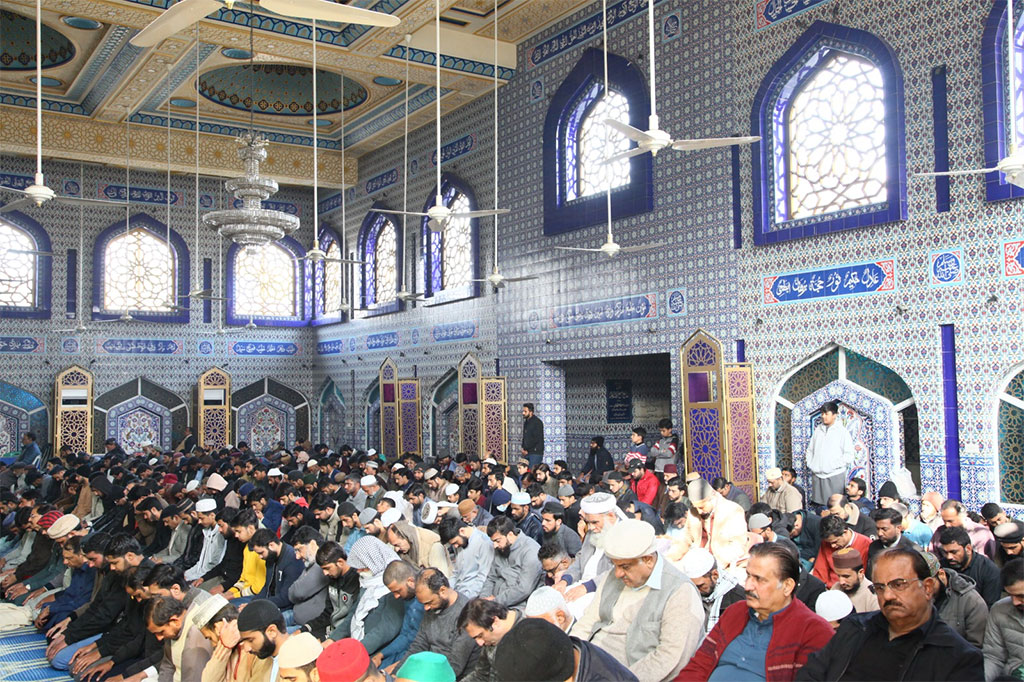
{"type": "Point", "coordinates": [439, 214]}
{"type": "Point", "coordinates": [1011, 165]}
{"type": "Point", "coordinates": [316, 254]}
{"type": "Point", "coordinates": [654, 139]}
{"type": "Point", "coordinates": [38, 193]}
{"type": "Point", "coordinates": [496, 279]}
{"type": "Point", "coordinates": [187, 12]}
{"type": "Point", "coordinates": [610, 247]}
{"type": "Point", "coordinates": [403, 295]}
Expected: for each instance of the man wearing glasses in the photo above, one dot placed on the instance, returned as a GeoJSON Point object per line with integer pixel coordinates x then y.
{"type": "Point", "coordinates": [905, 640]}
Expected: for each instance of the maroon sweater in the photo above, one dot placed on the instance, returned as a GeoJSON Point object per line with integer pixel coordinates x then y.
{"type": "Point", "coordinates": [797, 632]}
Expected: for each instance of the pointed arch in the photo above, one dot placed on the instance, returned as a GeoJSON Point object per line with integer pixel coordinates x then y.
{"type": "Point", "coordinates": [269, 286]}
{"type": "Point", "coordinates": [25, 279]}
{"type": "Point", "coordinates": [137, 413]}
{"type": "Point", "coordinates": [380, 246]}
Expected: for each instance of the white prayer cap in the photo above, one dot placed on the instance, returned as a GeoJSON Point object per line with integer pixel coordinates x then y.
{"type": "Point", "coordinates": [191, 485]}
{"type": "Point", "coordinates": [311, 463]}
{"type": "Point", "coordinates": [629, 539]}
{"type": "Point", "coordinates": [522, 499]}
{"type": "Point", "coordinates": [773, 473]}
{"type": "Point", "coordinates": [698, 489]}
{"type": "Point", "coordinates": [758, 521]}
{"type": "Point", "coordinates": [206, 505]}
{"type": "Point", "coordinates": [395, 496]}
{"type": "Point", "coordinates": [429, 513]}
{"type": "Point", "coordinates": [490, 460]}
{"type": "Point", "coordinates": [371, 453]}
{"type": "Point", "coordinates": [697, 562]}
{"type": "Point", "coordinates": [389, 517]}
{"type": "Point", "coordinates": [598, 503]}
{"type": "Point", "coordinates": [367, 481]}
{"type": "Point", "coordinates": [299, 650]}
{"type": "Point", "coordinates": [451, 489]}
{"type": "Point", "coordinates": [373, 464]}
{"type": "Point", "coordinates": [429, 473]}
{"type": "Point", "coordinates": [204, 612]}
{"type": "Point", "coordinates": [153, 460]}
{"type": "Point", "coordinates": [274, 471]}
{"type": "Point", "coordinates": [216, 482]}
{"type": "Point", "coordinates": [545, 599]}
{"type": "Point", "coordinates": [833, 605]}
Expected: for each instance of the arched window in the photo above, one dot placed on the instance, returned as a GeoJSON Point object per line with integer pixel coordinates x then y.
{"type": "Point", "coordinates": [378, 247]}
{"type": "Point", "coordinates": [577, 142]}
{"type": "Point", "coordinates": [832, 151]}
{"type": "Point", "coordinates": [141, 269]}
{"type": "Point", "coordinates": [1011, 439]}
{"type": "Point", "coordinates": [328, 279]}
{"type": "Point", "coordinates": [995, 103]}
{"type": "Point", "coordinates": [451, 259]}
{"type": "Point", "coordinates": [268, 285]}
{"type": "Point", "coordinates": [25, 278]}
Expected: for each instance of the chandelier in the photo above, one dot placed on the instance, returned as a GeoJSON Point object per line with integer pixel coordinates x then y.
{"type": "Point", "coordinates": [251, 225]}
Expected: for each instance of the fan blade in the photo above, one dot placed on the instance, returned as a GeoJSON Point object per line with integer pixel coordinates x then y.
{"type": "Point", "coordinates": [344, 260]}
{"type": "Point", "coordinates": [629, 131]}
{"type": "Point", "coordinates": [16, 205]}
{"type": "Point", "coordinates": [635, 151]}
{"type": "Point", "coordinates": [85, 201]}
{"type": "Point", "coordinates": [712, 142]}
{"type": "Point", "coordinates": [30, 252]}
{"type": "Point", "coordinates": [175, 18]}
{"type": "Point", "coordinates": [578, 248]}
{"type": "Point", "coordinates": [330, 11]}
{"type": "Point", "coordinates": [637, 247]}
{"type": "Point", "coordinates": [521, 279]}
{"type": "Point", "coordinates": [481, 213]}
{"type": "Point", "coordinates": [388, 210]}
{"type": "Point", "coordinates": [973, 171]}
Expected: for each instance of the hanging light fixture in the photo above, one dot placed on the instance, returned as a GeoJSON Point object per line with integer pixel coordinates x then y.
{"type": "Point", "coordinates": [252, 225]}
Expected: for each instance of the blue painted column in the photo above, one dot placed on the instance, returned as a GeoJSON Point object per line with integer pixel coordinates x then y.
{"type": "Point", "coordinates": [950, 411]}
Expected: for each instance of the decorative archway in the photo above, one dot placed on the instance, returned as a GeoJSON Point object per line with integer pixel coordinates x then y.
{"type": "Point", "coordinates": [21, 411]}
{"type": "Point", "coordinates": [72, 422]}
{"type": "Point", "coordinates": [371, 401]}
{"type": "Point", "coordinates": [268, 411]}
{"type": "Point", "coordinates": [138, 413]}
{"type": "Point", "coordinates": [332, 415]}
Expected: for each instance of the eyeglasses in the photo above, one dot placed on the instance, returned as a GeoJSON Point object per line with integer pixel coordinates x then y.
{"type": "Point", "coordinates": [898, 585]}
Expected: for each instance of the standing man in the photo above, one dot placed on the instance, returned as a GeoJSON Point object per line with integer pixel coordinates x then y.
{"type": "Point", "coordinates": [188, 443]}
{"type": "Point", "coordinates": [30, 453]}
{"type": "Point", "coordinates": [533, 436]}
{"type": "Point", "coordinates": [829, 455]}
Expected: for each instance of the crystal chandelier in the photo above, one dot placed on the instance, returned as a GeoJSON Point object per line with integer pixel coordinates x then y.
{"type": "Point", "coordinates": [252, 225]}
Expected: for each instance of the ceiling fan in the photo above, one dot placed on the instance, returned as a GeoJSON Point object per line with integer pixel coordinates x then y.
{"type": "Point", "coordinates": [654, 139]}
{"type": "Point", "coordinates": [496, 279]}
{"type": "Point", "coordinates": [38, 193]}
{"type": "Point", "coordinates": [316, 254]}
{"type": "Point", "coordinates": [403, 295]}
{"type": "Point", "coordinates": [610, 247]}
{"type": "Point", "coordinates": [1011, 165]}
{"type": "Point", "coordinates": [186, 12]}
{"type": "Point", "coordinates": [439, 215]}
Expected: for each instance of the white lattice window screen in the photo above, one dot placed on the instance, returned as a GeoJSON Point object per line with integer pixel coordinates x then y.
{"type": "Point", "coordinates": [265, 282]}
{"type": "Point", "coordinates": [836, 135]}
{"type": "Point", "coordinates": [138, 273]}
{"type": "Point", "coordinates": [17, 270]}
{"type": "Point", "coordinates": [596, 143]}
{"type": "Point", "coordinates": [385, 280]}
{"type": "Point", "coordinates": [332, 281]}
{"type": "Point", "coordinates": [457, 267]}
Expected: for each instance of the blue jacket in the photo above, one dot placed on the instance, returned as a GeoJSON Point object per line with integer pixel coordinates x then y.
{"type": "Point", "coordinates": [394, 652]}
{"type": "Point", "coordinates": [272, 515]}
{"type": "Point", "coordinates": [30, 453]}
{"type": "Point", "coordinates": [280, 576]}
{"type": "Point", "coordinates": [75, 594]}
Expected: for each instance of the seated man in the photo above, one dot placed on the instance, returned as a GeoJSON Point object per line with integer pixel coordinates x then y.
{"type": "Point", "coordinates": [653, 627]}
{"type": "Point", "coordinates": [715, 523]}
{"type": "Point", "coordinates": [770, 635]}
{"type": "Point", "coordinates": [1004, 646]}
{"type": "Point", "coordinates": [474, 555]}
{"type": "Point", "coordinates": [283, 569]}
{"type": "Point", "coordinates": [718, 590]}
{"type": "Point", "coordinates": [904, 640]}
{"type": "Point", "coordinates": [781, 496]}
{"type": "Point", "coordinates": [1010, 541]}
{"type": "Point", "coordinates": [835, 535]}
{"type": "Point", "coordinates": [889, 533]}
{"type": "Point", "coordinates": [548, 604]}
{"type": "Point", "coordinates": [849, 567]}
{"type": "Point", "coordinates": [378, 614]}
{"type": "Point", "coordinates": [516, 570]}
{"type": "Point", "coordinates": [960, 555]}
{"type": "Point", "coordinates": [186, 650]}
{"type": "Point", "coordinates": [537, 651]}
{"type": "Point", "coordinates": [439, 630]}
{"type": "Point", "coordinates": [400, 578]}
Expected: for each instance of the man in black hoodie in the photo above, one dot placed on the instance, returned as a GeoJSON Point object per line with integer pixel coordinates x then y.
{"type": "Point", "coordinates": [283, 569]}
{"type": "Point", "coordinates": [533, 437]}
{"type": "Point", "coordinates": [598, 461]}
{"type": "Point", "coordinates": [535, 650]}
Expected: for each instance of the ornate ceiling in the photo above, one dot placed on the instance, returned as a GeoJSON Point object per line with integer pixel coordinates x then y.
{"type": "Point", "coordinates": [93, 80]}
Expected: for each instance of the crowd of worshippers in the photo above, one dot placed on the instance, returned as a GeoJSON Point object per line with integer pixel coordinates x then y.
{"type": "Point", "coordinates": [307, 565]}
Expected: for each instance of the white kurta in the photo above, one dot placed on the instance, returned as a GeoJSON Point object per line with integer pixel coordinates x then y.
{"type": "Point", "coordinates": [830, 451]}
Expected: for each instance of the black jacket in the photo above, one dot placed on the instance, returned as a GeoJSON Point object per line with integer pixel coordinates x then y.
{"type": "Point", "coordinates": [280, 576]}
{"type": "Point", "coordinates": [808, 589]}
{"type": "Point", "coordinates": [597, 665]}
{"type": "Point", "coordinates": [103, 610]}
{"type": "Point", "coordinates": [599, 460]}
{"type": "Point", "coordinates": [533, 436]}
{"type": "Point", "coordinates": [229, 570]}
{"type": "Point", "coordinates": [193, 548]}
{"type": "Point", "coordinates": [941, 655]}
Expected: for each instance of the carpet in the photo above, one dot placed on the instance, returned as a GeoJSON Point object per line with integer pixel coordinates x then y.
{"type": "Point", "coordinates": [23, 657]}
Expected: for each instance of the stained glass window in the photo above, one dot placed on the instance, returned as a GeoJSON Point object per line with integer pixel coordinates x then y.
{"type": "Point", "coordinates": [332, 282]}
{"type": "Point", "coordinates": [138, 272]}
{"type": "Point", "coordinates": [384, 270]}
{"type": "Point", "coordinates": [594, 142]}
{"type": "Point", "coordinates": [17, 270]}
{"type": "Point", "coordinates": [836, 144]}
{"type": "Point", "coordinates": [457, 267]}
{"type": "Point", "coordinates": [264, 282]}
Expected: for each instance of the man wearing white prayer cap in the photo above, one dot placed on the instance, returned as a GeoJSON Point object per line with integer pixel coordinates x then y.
{"type": "Point", "coordinates": [718, 589]}
{"type": "Point", "coordinates": [214, 544]}
{"type": "Point", "coordinates": [654, 626]}
{"type": "Point", "coordinates": [371, 486]}
{"type": "Point", "coordinates": [833, 606]}
{"type": "Point", "coordinates": [715, 523]}
{"type": "Point", "coordinates": [548, 604]}
{"type": "Point", "coordinates": [296, 661]}
{"type": "Point", "coordinates": [600, 512]}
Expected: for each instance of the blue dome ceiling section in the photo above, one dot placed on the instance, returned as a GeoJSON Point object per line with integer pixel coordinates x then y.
{"type": "Point", "coordinates": [18, 44]}
{"type": "Point", "coordinates": [279, 89]}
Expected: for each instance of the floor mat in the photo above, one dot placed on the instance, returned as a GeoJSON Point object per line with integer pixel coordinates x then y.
{"type": "Point", "coordinates": [23, 658]}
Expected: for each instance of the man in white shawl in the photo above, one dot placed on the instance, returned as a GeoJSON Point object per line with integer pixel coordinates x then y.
{"type": "Point", "coordinates": [579, 582]}
{"type": "Point", "coordinates": [378, 615]}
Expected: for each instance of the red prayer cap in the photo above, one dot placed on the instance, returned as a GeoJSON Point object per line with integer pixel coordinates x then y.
{"type": "Point", "coordinates": [170, 479]}
{"type": "Point", "coordinates": [344, 661]}
{"type": "Point", "coordinates": [48, 518]}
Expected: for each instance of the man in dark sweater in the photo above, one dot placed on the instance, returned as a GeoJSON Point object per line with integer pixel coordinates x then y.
{"type": "Point", "coordinates": [439, 630]}
{"type": "Point", "coordinates": [533, 436]}
{"type": "Point", "coordinates": [961, 557]}
{"type": "Point", "coordinates": [283, 569]}
{"type": "Point", "coordinates": [535, 650]}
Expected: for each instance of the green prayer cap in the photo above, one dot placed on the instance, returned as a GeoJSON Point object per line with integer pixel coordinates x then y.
{"type": "Point", "coordinates": [426, 666]}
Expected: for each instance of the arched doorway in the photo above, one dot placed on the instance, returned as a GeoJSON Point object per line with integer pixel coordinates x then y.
{"type": "Point", "coordinates": [1010, 437]}
{"type": "Point", "coordinates": [444, 416]}
{"type": "Point", "coordinates": [372, 422]}
{"type": "Point", "coordinates": [332, 415]}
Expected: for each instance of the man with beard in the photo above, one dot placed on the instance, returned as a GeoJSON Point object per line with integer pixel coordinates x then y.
{"type": "Point", "coordinates": [835, 535]}
{"type": "Point", "coordinates": [262, 631]}
{"type": "Point", "coordinates": [533, 437]}
{"type": "Point", "coordinates": [342, 588]}
{"type": "Point", "coordinates": [439, 630]}
{"type": "Point", "coordinates": [526, 521]}
{"type": "Point", "coordinates": [297, 660]}
{"type": "Point", "coordinates": [960, 555]}
{"type": "Point", "coordinates": [600, 513]}
{"type": "Point", "coordinates": [599, 461]}
{"type": "Point", "coordinates": [474, 555]}
{"type": "Point", "coordinates": [283, 568]}
{"type": "Point", "coordinates": [889, 533]}
{"type": "Point", "coordinates": [643, 482]}
{"type": "Point", "coordinates": [473, 514]}
{"type": "Point", "coordinates": [353, 489]}
{"type": "Point", "coordinates": [905, 640]}
{"type": "Point", "coordinates": [1010, 538]}
{"type": "Point", "coordinates": [718, 590]}
{"type": "Point", "coordinates": [400, 578]}
{"type": "Point", "coordinates": [552, 521]}
{"type": "Point", "coordinates": [308, 593]}
{"type": "Point", "coordinates": [1004, 646]}
{"type": "Point", "coordinates": [715, 523]}
{"type": "Point", "coordinates": [850, 570]}
{"type": "Point", "coordinates": [186, 650]}
{"type": "Point", "coordinates": [959, 605]}
{"type": "Point", "coordinates": [516, 570]}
